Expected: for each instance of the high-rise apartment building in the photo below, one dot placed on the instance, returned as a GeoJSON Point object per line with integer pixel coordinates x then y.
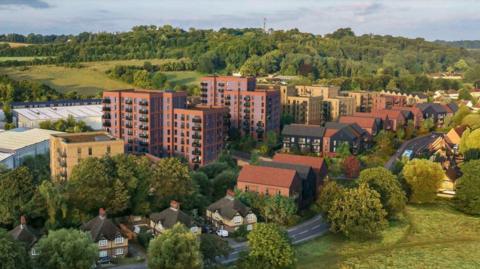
{"type": "Point", "coordinates": [252, 111]}
{"type": "Point", "coordinates": [67, 150]}
{"type": "Point", "coordinates": [160, 123]}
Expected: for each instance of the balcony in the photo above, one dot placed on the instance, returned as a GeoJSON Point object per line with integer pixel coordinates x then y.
{"type": "Point", "coordinates": [63, 174]}
{"type": "Point", "coordinates": [63, 163]}
{"type": "Point", "coordinates": [130, 132]}
{"type": "Point", "coordinates": [196, 160]}
{"type": "Point", "coordinates": [106, 108]}
{"type": "Point", "coordinates": [196, 128]}
{"type": "Point", "coordinates": [196, 136]}
{"type": "Point", "coordinates": [246, 110]}
{"type": "Point", "coordinates": [228, 97]}
{"type": "Point", "coordinates": [227, 103]}
{"type": "Point", "coordinates": [204, 95]}
{"type": "Point", "coordinates": [196, 144]}
{"type": "Point", "coordinates": [246, 98]}
{"type": "Point", "coordinates": [106, 116]}
{"type": "Point", "coordinates": [106, 101]}
{"type": "Point", "coordinates": [143, 103]}
{"type": "Point", "coordinates": [143, 135]}
{"type": "Point", "coordinates": [128, 101]}
{"type": "Point", "coordinates": [246, 117]}
{"type": "Point", "coordinates": [128, 117]}
{"type": "Point", "coordinates": [260, 124]}
{"type": "Point", "coordinates": [143, 143]}
{"type": "Point", "coordinates": [196, 152]}
{"type": "Point", "coordinates": [107, 123]}
{"type": "Point", "coordinates": [143, 111]}
{"type": "Point", "coordinates": [129, 141]}
{"type": "Point", "coordinates": [143, 119]}
{"type": "Point", "coordinates": [246, 104]}
{"type": "Point", "coordinates": [128, 109]}
{"type": "Point", "coordinates": [260, 130]}
{"type": "Point", "coordinates": [197, 120]}
{"type": "Point", "coordinates": [143, 127]}
{"type": "Point", "coordinates": [128, 125]}
{"type": "Point", "coordinates": [227, 115]}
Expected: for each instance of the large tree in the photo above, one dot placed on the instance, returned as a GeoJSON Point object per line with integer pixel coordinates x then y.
{"type": "Point", "coordinates": [66, 249]}
{"type": "Point", "coordinates": [213, 247]}
{"type": "Point", "coordinates": [358, 214]}
{"type": "Point", "coordinates": [424, 177]}
{"type": "Point", "coordinates": [13, 254]}
{"type": "Point", "coordinates": [279, 209]}
{"type": "Point", "coordinates": [171, 181]}
{"type": "Point", "coordinates": [269, 247]}
{"type": "Point", "coordinates": [467, 197]}
{"type": "Point", "coordinates": [386, 184]}
{"type": "Point", "coordinates": [176, 248]}
{"type": "Point", "coordinates": [328, 195]}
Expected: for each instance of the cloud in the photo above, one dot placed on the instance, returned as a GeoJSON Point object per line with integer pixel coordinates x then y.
{"type": "Point", "coordinates": [29, 3]}
{"type": "Point", "coordinates": [369, 9]}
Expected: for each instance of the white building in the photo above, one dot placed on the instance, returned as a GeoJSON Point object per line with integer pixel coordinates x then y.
{"type": "Point", "coordinates": [32, 117]}
{"type": "Point", "coordinates": [16, 144]}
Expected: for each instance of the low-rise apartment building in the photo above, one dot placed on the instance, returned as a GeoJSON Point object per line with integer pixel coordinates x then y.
{"type": "Point", "coordinates": [372, 125]}
{"type": "Point", "coordinates": [339, 106]}
{"type": "Point", "coordinates": [252, 111]}
{"type": "Point", "coordinates": [363, 100]}
{"type": "Point", "coordinates": [68, 149]}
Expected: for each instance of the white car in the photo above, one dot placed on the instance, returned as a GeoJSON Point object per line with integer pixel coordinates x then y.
{"type": "Point", "coordinates": [222, 233]}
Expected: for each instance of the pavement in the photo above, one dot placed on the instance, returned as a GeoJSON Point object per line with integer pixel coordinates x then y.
{"type": "Point", "coordinates": [300, 233]}
{"type": "Point", "coordinates": [414, 144]}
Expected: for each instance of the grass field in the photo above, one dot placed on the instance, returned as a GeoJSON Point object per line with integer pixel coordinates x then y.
{"type": "Point", "coordinates": [91, 78]}
{"type": "Point", "coordinates": [15, 44]}
{"type": "Point", "coordinates": [3, 59]}
{"type": "Point", "coordinates": [428, 236]}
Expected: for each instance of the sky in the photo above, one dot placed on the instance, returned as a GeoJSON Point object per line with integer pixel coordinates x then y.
{"type": "Point", "coordinates": [429, 19]}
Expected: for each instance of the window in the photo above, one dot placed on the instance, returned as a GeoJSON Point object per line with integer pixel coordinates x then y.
{"type": "Point", "coordinates": [119, 240]}
{"type": "Point", "coordinates": [102, 254]}
{"type": "Point", "coordinates": [250, 217]}
{"type": "Point", "coordinates": [90, 151]}
{"type": "Point", "coordinates": [119, 251]}
{"type": "Point", "coordinates": [102, 243]}
{"type": "Point", "coordinates": [237, 220]}
{"type": "Point", "coordinates": [34, 252]}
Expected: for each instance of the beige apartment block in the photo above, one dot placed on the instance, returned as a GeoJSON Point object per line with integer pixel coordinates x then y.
{"type": "Point", "coordinates": [67, 150]}
{"type": "Point", "coordinates": [341, 106]}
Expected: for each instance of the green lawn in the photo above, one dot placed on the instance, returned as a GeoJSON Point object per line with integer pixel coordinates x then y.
{"type": "Point", "coordinates": [4, 59]}
{"type": "Point", "coordinates": [428, 236]}
{"type": "Point", "coordinates": [91, 78]}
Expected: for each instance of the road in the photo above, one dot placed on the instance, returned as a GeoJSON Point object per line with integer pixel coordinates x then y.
{"type": "Point", "coordinates": [303, 232]}
{"type": "Point", "coordinates": [413, 144]}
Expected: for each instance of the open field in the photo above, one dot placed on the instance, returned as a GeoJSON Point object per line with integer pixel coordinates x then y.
{"type": "Point", "coordinates": [27, 58]}
{"type": "Point", "coordinates": [91, 78]}
{"type": "Point", "coordinates": [428, 236]}
{"type": "Point", "coordinates": [15, 44]}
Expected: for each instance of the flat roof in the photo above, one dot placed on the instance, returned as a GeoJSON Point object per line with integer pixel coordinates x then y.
{"type": "Point", "coordinates": [22, 137]}
{"type": "Point", "coordinates": [86, 137]}
{"type": "Point", "coordinates": [60, 112]}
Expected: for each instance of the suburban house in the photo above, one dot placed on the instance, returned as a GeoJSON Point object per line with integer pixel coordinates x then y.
{"type": "Point", "coordinates": [271, 180]}
{"type": "Point", "coordinates": [370, 124]}
{"type": "Point", "coordinates": [229, 214]}
{"type": "Point", "coordinates": [107, 235]}
{"type": "Point", "coordinates": [454, 136]}
{"type": "Point", "coordinates": [25, 234]}
{"type": "Point", "coordinates": [166, 219]}
{"type": "Point", "coordinates": [412, 114]}
{"type": "Point", "coordinates": [392, 118]}
{"type": "Point", "coordinates": [318, 164]}
{"type": "Point", "coordinates": [437, 112]}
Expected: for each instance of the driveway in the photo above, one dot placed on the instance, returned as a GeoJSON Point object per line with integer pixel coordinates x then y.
{"type": "Point", "coordinates": [303, 232]}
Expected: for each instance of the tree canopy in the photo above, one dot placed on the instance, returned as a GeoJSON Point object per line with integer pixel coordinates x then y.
{"type": "Point", "coordinates": [13, 254]}
{"type": "Point", "coordinates": [467, 197]}
{"type": "Point", "coordinates": [424, 178]}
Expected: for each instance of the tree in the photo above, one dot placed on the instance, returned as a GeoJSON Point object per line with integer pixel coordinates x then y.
{"type": "Point", "coordinates": [424, 178]}
{"type": "Point", "coordinates": [176, 248]}
{"type": "Point", "coordinates": [464, 94]}
{"type": "Point", "coordinates": [358, 214]}
{"type": "Point", "coordinates": [211, 247]}
{"type": "Point", "coordinates": [269, 247]}
{"type": "Point", "coordinates": [343, 150]}
{"type": "Point", "coordinates": [18, 196]}
{"type": "Point", "coordinates": [13, 254]}
{"type": "Point", "coordinates": [426, 126]}
{"type": "Point", "coordinates": [351, 166]}
{"type": "Point", "coordinates": [386, 184]}
{"type": "Point", "coordinates": [328, 195]}
{"type": "Point", "coordinates": [279, 209]}
{"type": "Point", "coordinates": [470, 140]}
{"type": "Point", "coordinates": [458, 117]}
{"type": "Point", "coordinates": [60, 250]}
{"type": "Point", "coordinates": [468, 188]}
{"type": "Point", "coordinates": [171, 181]}
{"type": "Point", "coordinates": [222, 182]}
{"type": "Point", "coordinates": [385, 143]}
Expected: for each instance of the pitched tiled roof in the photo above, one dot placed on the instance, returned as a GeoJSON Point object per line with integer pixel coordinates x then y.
{"type": "Point", "coordinates": [170, 217]}
{"type": "Point", "coordinates": [438, 108]}
{"type": "Point", "coordinates": [25, 234]}
{"type": "Point", "coordinates": [228, 207]}
{"type": "Point", "coordinates": [314, 162]}
{"type": "Point", "coordinates": [271, 176]}
{"type": "Point", "coordinates": [302, 170]}
{"type": "Point", "coordinates": [364, 122]}
{"type": "Point", "coordinates": [303, 130]}
{"type": "Point", "coordinates": [101, 228]}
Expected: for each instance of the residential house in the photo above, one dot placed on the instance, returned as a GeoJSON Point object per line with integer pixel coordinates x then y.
{"type": "Point", "coordinates": [370, 124]}
{"type": "Point", "coordinates": [454, 136]}
{"type": "Point", "coordinates": [339, 133]}
{"type": "Point", "coordinates": [435, 111]}
{"type": "Point", "coordinates": [229, 214]}
{"type": "Point", "coordinates": [392, 119]}
{"type": "Point", "coordinates": [303, 138]}
{"type": "Point", "coordinates": [26, 235]}
{"type": "Point", "coordinates": [318, 164]}
{"type": "Point", "coordinates": [166, 219]}
{"type": "Point", "coordinates": [107, 236]}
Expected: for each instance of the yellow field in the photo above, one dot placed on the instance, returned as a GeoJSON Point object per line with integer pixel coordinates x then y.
{"type": "Point", "coordinates": [429, 236]}
{"type": "Point", "coordinates": [91, 78]}
{"type": "Point", "coordinates": [15, 44]}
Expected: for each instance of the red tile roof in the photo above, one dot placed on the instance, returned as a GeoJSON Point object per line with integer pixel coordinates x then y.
{"type": "Point", "coordinates": [268, 176]}
{"type": "Point", "coordinates": [315, 162]}
{"type": "Point", "coordinates": [362, 121]}
{"type": "Point", "coordinates": [330, 132]}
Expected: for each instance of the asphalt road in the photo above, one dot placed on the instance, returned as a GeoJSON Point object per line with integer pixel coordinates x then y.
{"type": "Point", "coordinates": [303, 232]}
{"type": "Point", "coordinates": [413, 144]}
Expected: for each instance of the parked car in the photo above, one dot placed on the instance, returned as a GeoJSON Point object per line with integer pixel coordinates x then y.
{"type": "Point", "coordinates": [222, 233]}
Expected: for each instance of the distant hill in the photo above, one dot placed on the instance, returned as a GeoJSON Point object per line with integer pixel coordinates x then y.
{"type": "Point", "coordinates": [467, 44]}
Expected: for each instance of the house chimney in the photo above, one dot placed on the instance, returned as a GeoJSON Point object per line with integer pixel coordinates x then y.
{"type": "Point", "coordinates": [101, 213]}
{"type": "Point", "coordinates": [174, 205]}
{"type": "Point", "coordinates": [23, 221]}
{"type": "Point", "coordinates": [230, 194]}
